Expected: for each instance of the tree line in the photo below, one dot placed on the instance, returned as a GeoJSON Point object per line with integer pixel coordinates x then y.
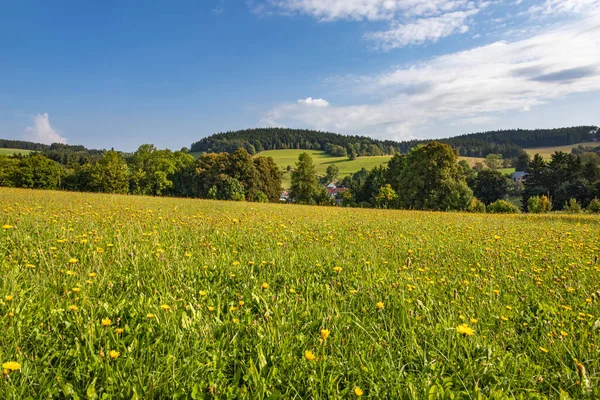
{"type": "Point", "coordinates": [149, 171]}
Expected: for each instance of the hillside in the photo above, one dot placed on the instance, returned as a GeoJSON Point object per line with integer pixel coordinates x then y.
{"type": "Point", "coordinates": [509, 143]}
{"type": "Point", "coordinates": [10, 152]}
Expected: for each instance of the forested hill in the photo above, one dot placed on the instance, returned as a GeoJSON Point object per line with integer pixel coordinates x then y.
{"type": "Point", "coordinates": [509, 143]}
{"type": "Point", "coordinates": [59, 152]}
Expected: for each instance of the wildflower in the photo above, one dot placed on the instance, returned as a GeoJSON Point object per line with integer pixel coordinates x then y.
{"type": "Point", "coordinates": [309, 355]}
{"type": "Point", "coordinates": [9, 298]}
{"type": "Point", "coordinates": [203, 293]}
{"type": "Point", "coordinates": [379, 305]}
{"type": "Point", "coordinates": [11, 366]}
{"type": "Point", "coordinates": [563, 333]}
{"type": "Point", "coordinates": [325, 334]}
{"type": "Point", "coordinates": [92, 274]}
{"type": "Point", "coordinates": [211, 308]}
{"type": "Point", "coordinates": [150, 316]}
{"type": "Point", "coordinates": [114, 354]}
{"type": "Point", "coordinates": [76, 290]}
{"type": "Point", "coordinates": [73, 261]}
{"type": "Point", "coordinates": [119, 331]}
{"type": "Point", "coordinates": [69, 272]}
{"type": "Point", "coordinates": [236, 321]}
{"type": "Point", "coordinates": [474, 320]}
{"type": "Point", "coordinates": [7, 227]}
{"type": "Point", "coordinates": [265, 286]}
{"type": "Point", "coordinates": [241, 303]}
{"type": "Point", "coordinates": [544, 350]}
{"type": "Point", "coordinates": [358, 391]}
{"type": "Point", "coordinates": [503, 318]}
{"type": "Point", "coordinates": [11, 314]}
{"type": "Point", "coordinates": [106, 322]}
{"type": "Point", "coordinates": [73, 308]}
{"type": "Point", "coordinates": [465, 329]}
{"type": "Point", "coordinates": [337, 269]}
{"type": "Point", "coordinates": [165, 307]}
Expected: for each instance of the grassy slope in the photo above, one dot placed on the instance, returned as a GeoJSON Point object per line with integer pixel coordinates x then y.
{"type": "Point", "coordinates": [172, 273]}
{"type": "Point", "coordinates": [547, 152]}
{"type": "Point", "coordinates": [10, 152]}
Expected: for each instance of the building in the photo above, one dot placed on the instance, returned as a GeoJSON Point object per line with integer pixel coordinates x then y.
{"type": "Point", "coordinates": [518, 177]}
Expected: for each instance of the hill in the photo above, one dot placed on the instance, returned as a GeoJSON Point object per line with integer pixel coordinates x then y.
{"type": "Point", "coordinates": [509, 143]}
{"type": "Point", "coordinates": [10, 152]}
{"type": "Point", "coordinates": [547, 152]}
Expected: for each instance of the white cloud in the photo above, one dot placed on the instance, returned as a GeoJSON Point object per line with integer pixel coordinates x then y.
{"type": "Point", "coordinates": [565, 7]}
{"type": "Point", "coordinates": [42, 132]}
{"type": "Point", "coordinates": [462, 88]}
{"type": "Point", "coordinates": [422, 30]}
{"type": "Point", "coordinates": [309, 101]}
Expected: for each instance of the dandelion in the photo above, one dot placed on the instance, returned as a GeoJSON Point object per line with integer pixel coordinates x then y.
{"type": "Point", "coordinates": [241, 303]}
{"type": "Point", "coordinates": [11, 366]}
{"type": "Point", "coordinates": [325, 334]}
{"type": "Point", "coordinates": [337, 269]}
{"type": "Point", "coordinates": [150, 316]}
{"type": "Point", "coordinates": [309, 355]}
{"type": "Point", "coordinates": [9, 298]}
{"type": "Point", "coordinates": [543, 349]}
{"type": "Point", "coordinates": [265, 285]}
{"type": "Point", "coordinates": [211, 308]}
{"type": "Point", "coordinates": [358, 391]}
{"type": "Point", "coordinates": [73, 308]}
{"type": "Point", "coordinates": [92, 274]}
{"type": "Point", "coordinates": [165, 307]}
{"type": "Point", "coordinates": [503, 318]}
{"type": "Point", "coordinates": [465, 330]}
{"type": "Point", "coordinates": [73, 261]}
{"type": "Point", "coordinates": [380, 305]}
{"type": "Point", "coordinates": [106, 322]}
{"type": "Point", "coordinates": [76, 290]}
{"type": "Point", "coordinates": [203, 293]}
{"type": "Point", "coordinates": [7, 227]}
{"type": "Point", "coordinates": [119, 331]}
{"type": "Point", "coordinates": [474, 320]}
{"type": "Point", "coordinates": [235, 321]}
{"type": "Point", "coordinates": [114, 354]}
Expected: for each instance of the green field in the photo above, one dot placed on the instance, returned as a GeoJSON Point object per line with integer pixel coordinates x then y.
{"type": "Point", "coordinates": [107, 296]}
{"type": "Point", "coordinates": [547, 152]}
{"type": "Point", "coordinates": [10, 152]}
{"type": "Point", "coordinates": [283, 158]}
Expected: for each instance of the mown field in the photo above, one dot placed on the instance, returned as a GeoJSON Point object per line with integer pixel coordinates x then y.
{"type": "Point", "coordinates": [547, 152]}
{"type": "Point", "coordinates": [106, 296]}
{"type": "Point", "coordinates": [10, 152]}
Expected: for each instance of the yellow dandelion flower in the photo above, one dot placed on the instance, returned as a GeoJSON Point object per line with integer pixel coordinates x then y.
{"type": "Point", "coordinates": [211, 308]}
{"type": "Point", "coordinates": [465, 329]}
{"type": "Point", "coordinates": [165, 307]}
{"type": "Point", "coordinates": [150, 316]}
{"type": "Point", "coordinates": [337, 269]}
{"type": "Point", "coordinates": [73, 261]}
{"type": "Point", "coordinates": [379, 305]}
{"type": "Point", "coordinates": [203, 293]}
{"type": "Point", "coordinates": [119, 331]}
{"type": "Point", "coordinates": [544, 350]}
{"type": "Point", "coordinates": [503, 318]}
{"type": "Point", "coordinates": [9, 298]}
{"type": "Point", "coordinates": [241, 303]}
{"type": "Point", "coordinates": [309, 355]}
{"type": "Point", "coordinates": [114, 354]}
{"type": "Point", "coordinates": [265, 285]}
{"type": "Point", "coordinates": [11, 366]}
{"type": "Point", "coordinates": [92, 274]}
{"type": "Point", "coordinates": [106, 322]}
{"type": "Point", "coordinates": [73, 308]}
{"type": "Point", "coordinates": [358, 391]}
{"type": "Point", "coordinates": [76, 290]}
{"type": "Point", "coordinates": [7, 226]}
{"type": "Point", "coordinates": [325, 334]}
{"type": "Point", "coordinates": [563, 333]}
{"type": "Point", "coordinates": [235, 321]}
{"type": "Point", "coordinates": [474, 320]}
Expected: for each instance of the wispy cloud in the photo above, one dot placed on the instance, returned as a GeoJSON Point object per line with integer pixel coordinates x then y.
{"type": "Point", "coordinates": [42, 131]}
{"type": "Point", "coordinates": [463, 87]}
{"type": "Point", "coordinates": [309, 101]}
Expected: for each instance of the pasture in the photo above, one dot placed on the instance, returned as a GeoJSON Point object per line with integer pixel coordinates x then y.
{"type": "Point", "coordinates": [109, 296]}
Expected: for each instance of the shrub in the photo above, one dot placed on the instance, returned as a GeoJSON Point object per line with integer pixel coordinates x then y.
{"type": "Point", "coordinates": [503, 207]}
{"type": "Point", "coordinates": [594, 206]}
{"type": "Point", "coordinates": [572, 206]}
{"type": "Point", "coordinates": [476, 206]}
{"type": "Point", "coordinates": [260, 197]}
{"type": "Point", "coordinates": [537, 205]}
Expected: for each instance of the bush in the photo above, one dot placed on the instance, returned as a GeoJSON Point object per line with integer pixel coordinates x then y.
{"type": "Point", "coordinates": [476, 206]}
{"type": "Point", "coordinates": [594, 206]}
{"type": "Point", "coordinates": [503, 207]}
{"type": "Point", "coordinates": [538, 205]}
{"type": "Point", "coordinates": [260, 197]}
{"type": "Point", "coordinates": [572, 206]}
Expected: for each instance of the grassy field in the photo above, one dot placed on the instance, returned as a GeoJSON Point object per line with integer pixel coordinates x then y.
{"type": "Point", "coordinates": [547, 152]}
{"type": "Point", "coordinates": [105, 296]}
{"type": "Point", "coordinates": [10, 152]}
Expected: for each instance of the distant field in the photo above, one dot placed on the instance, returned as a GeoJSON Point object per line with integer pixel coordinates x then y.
{"type": "Point", "coordinates": [283, 158]}
{"type": "Point", "coordinates": [547, 152]}
{"type": "Point", "coordinates": [10, 152]}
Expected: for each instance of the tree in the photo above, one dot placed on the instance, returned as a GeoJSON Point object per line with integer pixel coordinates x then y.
{"type": "Point", "coordinates": [502, 207]}
{"type": "Point", "coordinates": [386, 198]}
{"type": "Point", "coordinates": [110, 174]}
{"type": "Point", "coordinates": [522, 161]}
{"type": "Point", "coordinates": [151, 169]}
{"type": "Point", "coordinates": [433, 180]}
{"type": "Point", "coordinates": [493, 161]}
{"type": "Point", "coordinates": [8, 170]}
{"type": "Point", "coordinates": [332, 173]}
{"type": "Point", "coordinates": [490, 185]}
{"type": "Point", "coordinates": [38, 172]}
{"type": "Point", "coordinates": [304, 187]}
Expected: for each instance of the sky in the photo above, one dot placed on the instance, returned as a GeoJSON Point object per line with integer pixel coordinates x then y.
{"type": "Point", "coordinates": [117, 74]}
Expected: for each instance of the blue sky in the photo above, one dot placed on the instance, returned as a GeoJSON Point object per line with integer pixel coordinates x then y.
{"type": "Point", "coordinates": [119, 74]}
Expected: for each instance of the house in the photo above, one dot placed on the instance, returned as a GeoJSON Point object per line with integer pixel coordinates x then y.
{"type": "Point", "coordinates": [518, 176]}
{"type": "Point", "coordinates": [333, 190]}
{"type": "Point", "coordinates": [284, 196]}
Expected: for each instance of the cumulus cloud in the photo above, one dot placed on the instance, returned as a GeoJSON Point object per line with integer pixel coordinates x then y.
{"type": "Point", "coordinates": [42, 131]}
{"type": "Point", "coordinates": [463, 87]}
{"type": "Point", "coordinates": [309, 101]}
